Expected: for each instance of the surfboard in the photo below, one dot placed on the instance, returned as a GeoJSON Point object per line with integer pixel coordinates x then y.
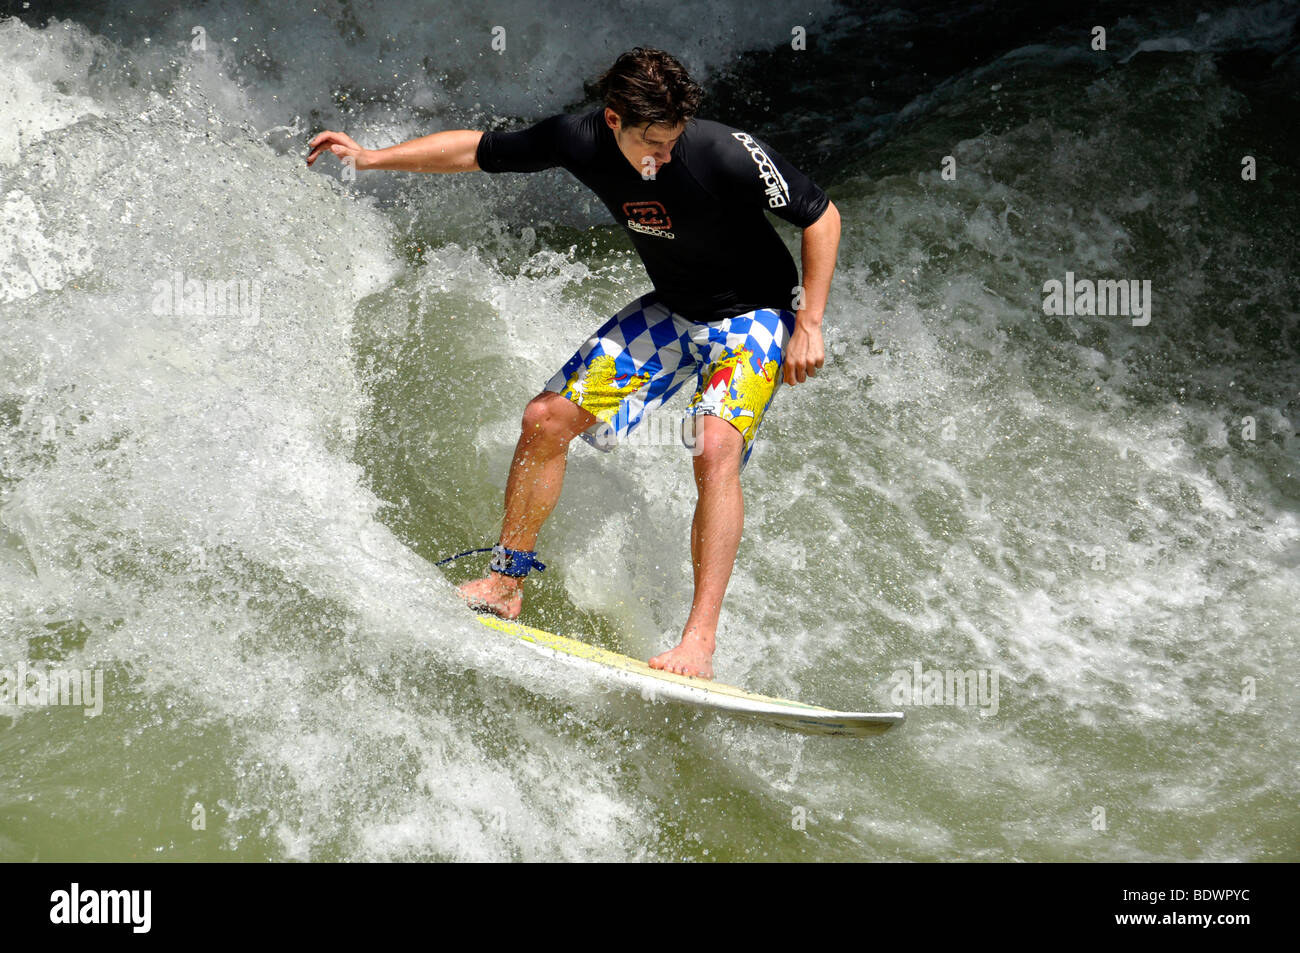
{"type": "Point", "coordinates": [634, 675]}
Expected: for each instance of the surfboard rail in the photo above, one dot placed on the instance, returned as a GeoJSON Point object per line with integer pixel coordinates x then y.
{"type": "Point", "coordinates": [656, 685]}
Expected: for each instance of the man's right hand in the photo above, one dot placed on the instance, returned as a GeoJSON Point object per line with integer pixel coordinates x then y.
{"type": "Point", "coordinates": [342, 145]}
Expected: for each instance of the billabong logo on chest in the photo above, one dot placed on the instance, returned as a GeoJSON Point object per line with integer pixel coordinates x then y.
{"type": "Point", "coordinates": [648, 218]}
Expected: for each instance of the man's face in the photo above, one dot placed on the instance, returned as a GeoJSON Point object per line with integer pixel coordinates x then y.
{"type": "Point", "coordinates": [647, 146]}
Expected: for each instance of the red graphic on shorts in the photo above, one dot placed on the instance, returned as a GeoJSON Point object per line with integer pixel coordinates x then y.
{"type": "Point", "coordinates": [648, 215]}
{"type": "Point", "coordinates": [721, 378]}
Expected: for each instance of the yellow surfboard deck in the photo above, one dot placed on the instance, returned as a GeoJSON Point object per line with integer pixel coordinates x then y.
{"type": "Point", "coordinates": [655, 685]}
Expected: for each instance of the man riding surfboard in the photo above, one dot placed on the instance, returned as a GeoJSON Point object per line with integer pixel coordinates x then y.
{"type": "Point", "coordinates": [727, 313]}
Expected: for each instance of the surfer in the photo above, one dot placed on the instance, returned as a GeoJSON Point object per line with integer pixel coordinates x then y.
{"type": "Point", "coordinates": [727, 313]}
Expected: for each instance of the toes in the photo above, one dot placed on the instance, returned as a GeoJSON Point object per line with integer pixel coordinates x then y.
{"type": "Point", "coordinates": [667, 662]}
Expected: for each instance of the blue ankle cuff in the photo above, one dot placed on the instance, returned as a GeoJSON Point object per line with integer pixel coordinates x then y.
{"type": "Point", "coordinates": [513, 562]}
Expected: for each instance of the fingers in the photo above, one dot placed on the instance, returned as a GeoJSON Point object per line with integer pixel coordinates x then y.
{"type": "Point", "coordinates": [316, 145]}
{"type": "Point", "coordinates": [790, 366]}
{"type": "Point", "coordinates": [340, 144]}
{"type": "Point", "coordinates": [327, 137]}
{"type": "Point", "coordinates": [316, 149]}
{"type": "Point", "coordinates": [798, 372]}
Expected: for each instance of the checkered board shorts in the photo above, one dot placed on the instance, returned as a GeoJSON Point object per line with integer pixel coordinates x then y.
{"type": "Point", "coordinates": [644, 354]}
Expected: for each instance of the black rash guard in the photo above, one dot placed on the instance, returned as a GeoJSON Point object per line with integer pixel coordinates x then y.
{"type": "Point", "coordinates": [699, 224]}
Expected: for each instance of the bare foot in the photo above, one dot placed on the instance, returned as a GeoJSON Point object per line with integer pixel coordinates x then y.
{"type": "Point", "coordinates": [495, 593]}
{"type": "Point", "coordinates": [692, 656]}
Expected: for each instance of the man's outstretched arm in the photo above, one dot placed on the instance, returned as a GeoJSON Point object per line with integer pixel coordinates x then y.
{"type": "Point", "coordinates": [450, 151]}
{"type": "Point", "coordinates": [805, 352]}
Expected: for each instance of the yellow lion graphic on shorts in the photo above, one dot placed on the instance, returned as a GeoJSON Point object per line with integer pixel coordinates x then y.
{"type": "Point", "coordinates": [745, 391]}
{"type": "Point", "coordinates": [749, 396]}
{"type": "Point", "coordinates": [596, 388]}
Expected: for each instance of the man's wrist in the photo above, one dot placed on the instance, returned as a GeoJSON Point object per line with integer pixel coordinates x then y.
{"type": "Point", "coordinates": [808, 318]}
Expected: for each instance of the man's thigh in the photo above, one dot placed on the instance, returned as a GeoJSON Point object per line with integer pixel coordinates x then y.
{"type": "Point", "coordinates": [739, 363]}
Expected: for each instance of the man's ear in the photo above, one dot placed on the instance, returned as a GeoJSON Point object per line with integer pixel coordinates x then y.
{"type": "Point", "coordinates": [612, 119]}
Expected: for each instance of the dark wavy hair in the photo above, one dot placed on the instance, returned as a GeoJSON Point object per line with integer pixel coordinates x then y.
{"type": "Point", "coordinates": [648, 85]}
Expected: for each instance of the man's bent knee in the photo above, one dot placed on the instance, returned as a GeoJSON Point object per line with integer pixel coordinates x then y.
{"type": "Point", "coordinates": [555, 419]}
{"type": "Point", "coordinates": [719, 446]}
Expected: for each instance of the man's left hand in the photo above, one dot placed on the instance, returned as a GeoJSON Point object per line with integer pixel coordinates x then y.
{"type": "Point", "coordinates": [804, 352]}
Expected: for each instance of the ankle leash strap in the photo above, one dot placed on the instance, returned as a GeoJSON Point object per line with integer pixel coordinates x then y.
{"type": "Point", "coordinates": [514, 562]}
